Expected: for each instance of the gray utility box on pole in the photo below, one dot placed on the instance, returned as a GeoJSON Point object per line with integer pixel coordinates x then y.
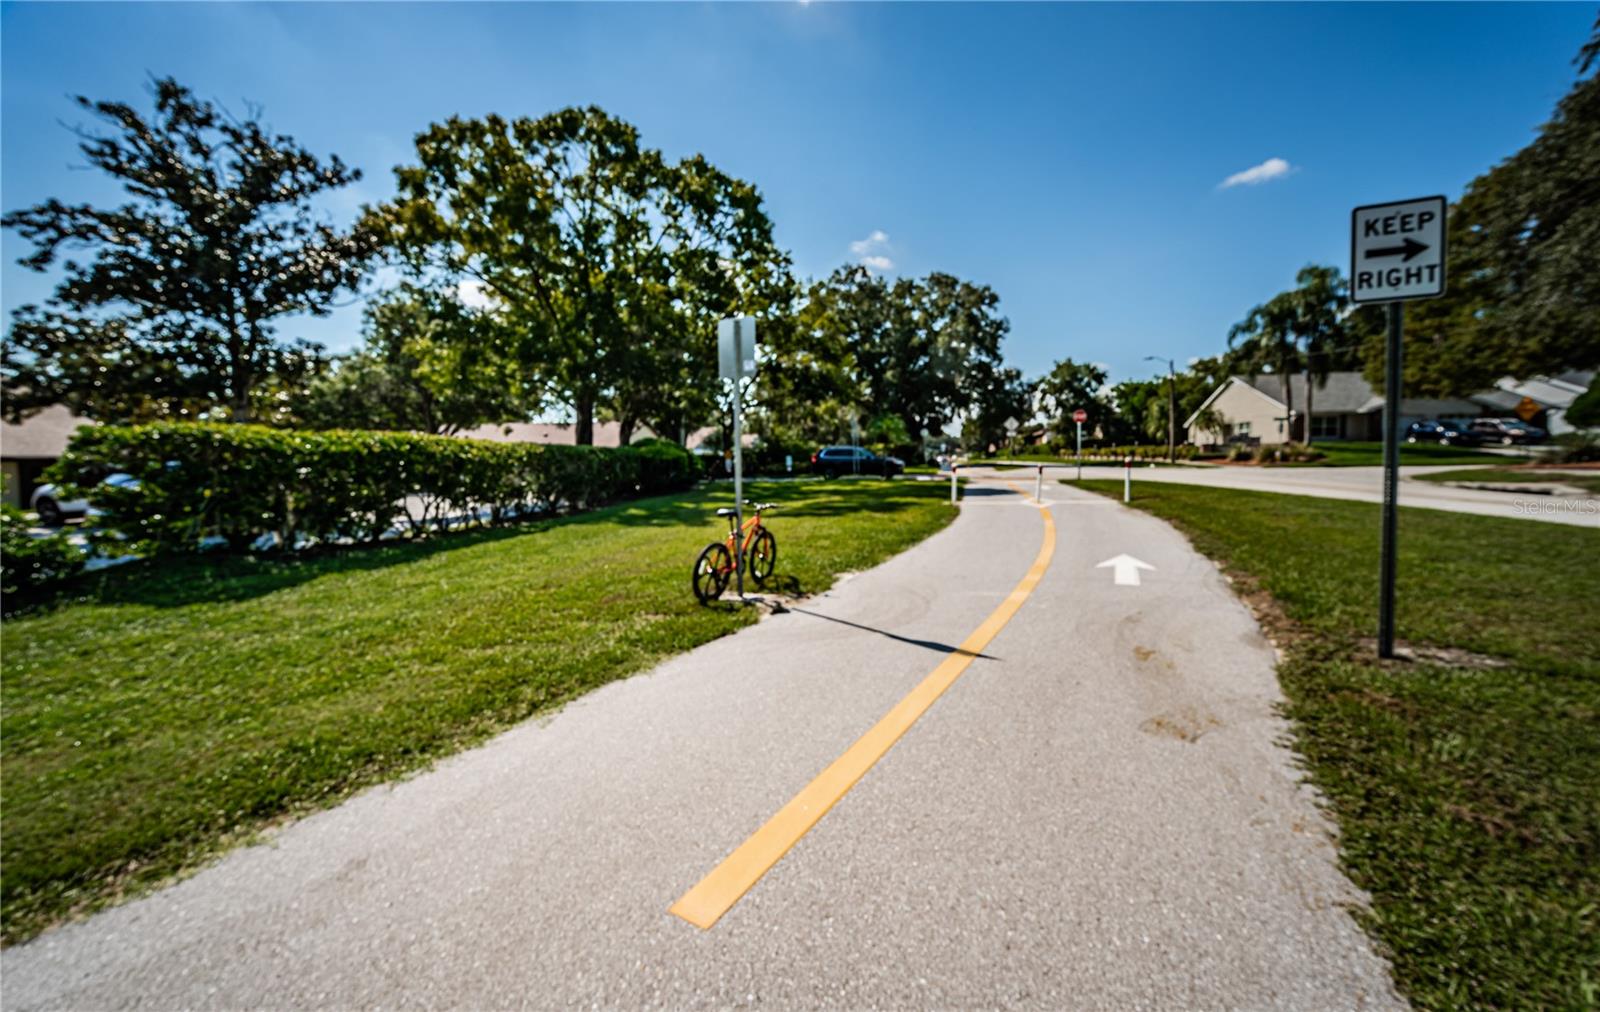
{"type": "Point", "coordinates": [736, 358]}
{"type": "Point", "coordinates": [1397, 253]}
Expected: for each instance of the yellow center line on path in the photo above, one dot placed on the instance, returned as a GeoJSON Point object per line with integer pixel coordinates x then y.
{"type": "Point", "coordinates": [716, 894]}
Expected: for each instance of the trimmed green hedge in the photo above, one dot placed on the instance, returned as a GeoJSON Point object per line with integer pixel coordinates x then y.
{"type": "Point", "coordinates": [30, 566]}
{"type": "Point", "coordinates": [239, 482]}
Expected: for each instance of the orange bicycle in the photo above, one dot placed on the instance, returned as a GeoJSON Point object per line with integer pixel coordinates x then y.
{"type": "Point", "coordinates": [719, 560]}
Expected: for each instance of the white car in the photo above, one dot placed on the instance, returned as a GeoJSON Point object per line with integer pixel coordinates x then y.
{"type": "Point", "coordinates": [53, 510]}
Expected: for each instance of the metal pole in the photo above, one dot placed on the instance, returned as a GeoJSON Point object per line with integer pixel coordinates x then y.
{"type": "Point", "coordinates": [1391, 477]}
{"type": "Point", "coordinates": [855, 442]}
{"type": "Point", "coordinates": [1172, 412]}
{"type": "Point", "coordinates": [738, 463]}
{"type": "Point", "coordinates": [953, 466]}
{"type": "Point", "coordinates": [1080, 450]}
{"type": "Point", "coordinates": [1038, 485]}
{"type": "Point", "coordinates": [1127, 479]}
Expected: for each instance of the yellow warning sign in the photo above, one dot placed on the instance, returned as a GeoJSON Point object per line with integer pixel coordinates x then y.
{"type": "Point", "coordinates": [1527, 408]}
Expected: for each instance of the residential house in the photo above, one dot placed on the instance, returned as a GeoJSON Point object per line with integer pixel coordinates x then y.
{"type": "Point", "coordinates": [1541, 401]}
{"type": "Point", "coordinates": [1251, 409]}
{"type": "Point", "coordinates": [26, 449]}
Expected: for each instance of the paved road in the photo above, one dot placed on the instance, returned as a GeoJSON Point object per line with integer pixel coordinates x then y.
{"type": "Point", "coordinates": [1097, 814]}
{"type": "Point", "coordinates": [1363, 484]}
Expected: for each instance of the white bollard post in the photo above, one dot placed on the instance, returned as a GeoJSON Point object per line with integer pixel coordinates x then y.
{"type": "Point", "coordinates": [1127, 478]}
{"type": "Point", "coordinates": [1038, 486]}
{"type": "Point", "coordinates": [953, 483]}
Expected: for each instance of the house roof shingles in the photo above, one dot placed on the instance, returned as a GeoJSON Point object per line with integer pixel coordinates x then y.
{"type": "Point", "coordinates": [1344, 393]}
{"type": "Point", "coordinates": [42, 436]}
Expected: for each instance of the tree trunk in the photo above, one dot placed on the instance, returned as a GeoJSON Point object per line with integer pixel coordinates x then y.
{"type": "Point", "coordinates": [584, 409]}
{"type": "Point", "coordinates": [239, 379]}
{"type": "Point", "coordinates": [625, 426]}
{"type": "Point", "coordinates": [1310, 396]}
{"type": "Point", "coordinates": [1288, 406]}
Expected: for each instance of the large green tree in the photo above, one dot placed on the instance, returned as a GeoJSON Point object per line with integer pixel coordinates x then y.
{"type": "Point", "coordinates": [1069, 386]}
{"type": "Point", "coordinates": [923, 350]}
{"type": "Point", "coordinates": [173, 309]}
{"type": "Point", "coordinates": [1268, 339]}
{"type": "Point", "coordinates": [1524, 271]}
{"type": "Point", "coordinates": [612, 262]}
{"type": "Point", "coordinates": [1321, 299]}
{"type": "Point", "coordinates": [807, 389]}
{"type": "Point", "coordinates": [430, 364]}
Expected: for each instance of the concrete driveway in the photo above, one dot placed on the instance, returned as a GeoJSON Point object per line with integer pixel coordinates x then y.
{"type": "Point", "coordinates": [1092, 809]}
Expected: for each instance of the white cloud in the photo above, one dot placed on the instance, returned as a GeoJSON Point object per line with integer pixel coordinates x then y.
{"type": "Point", "coordinates": [873, 251]}
{"type": "Point", "coordinates": [1272, 168]}
{"type": "Point", "coordinates": [878, 239]}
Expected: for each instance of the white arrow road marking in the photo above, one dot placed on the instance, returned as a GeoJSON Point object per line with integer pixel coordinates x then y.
{"type": "Point", "coordinates": [1126, 569]}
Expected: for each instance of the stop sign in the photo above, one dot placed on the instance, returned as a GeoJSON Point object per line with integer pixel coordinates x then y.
{"type": "Point", "coordinates": [1080, 416]}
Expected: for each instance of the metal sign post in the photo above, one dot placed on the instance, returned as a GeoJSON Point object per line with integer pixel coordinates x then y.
{"type": "Point", "coordinates": [1078, 418]}
{"type": "Point", "coordinates": [736, 355]}
{"type": "Point", "coordinates": [1397, 253]}
{"type": "Point", "coordinates": [855, 444]}
{"type": "Point", "coordinates": [1391, 475]}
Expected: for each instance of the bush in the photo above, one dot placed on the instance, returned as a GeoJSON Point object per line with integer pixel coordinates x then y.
{"type": "Point", "coordinates": [1116, 454]}
{"type": "Point", "coordinates": [1577, 448]}
{"type": "Point", "coordinates": [1286, 453]}
{"type": "Point", "coordinates": [31, 567]}
{"type": "Point", "coordinates": [198, 482]}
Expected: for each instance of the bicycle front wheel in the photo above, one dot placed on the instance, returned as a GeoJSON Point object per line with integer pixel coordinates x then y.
{"type": "Point", "coordinates": [763, 555]}
{"type": "Point", "coordinates": [711, 571]}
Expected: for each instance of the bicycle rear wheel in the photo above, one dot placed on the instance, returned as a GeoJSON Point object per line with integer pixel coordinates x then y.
{"type": "Point", "coordinates": [711, 571]}
{"type": "Point", "coordinates": [763, 555]}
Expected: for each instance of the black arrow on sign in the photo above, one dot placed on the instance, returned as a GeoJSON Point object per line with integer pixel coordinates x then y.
{"type": "Point", "coordinates": [1409, 249]}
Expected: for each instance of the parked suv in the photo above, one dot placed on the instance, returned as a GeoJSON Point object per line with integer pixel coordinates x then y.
{"type": "Point", "coordinates": [833, 461]}
{"type": "Point", "coordinates": [54, 511]}
{"type": "Point", "coordinates": [1507, 431]}
{"type": "Point", "coordinates": [1446, 433]}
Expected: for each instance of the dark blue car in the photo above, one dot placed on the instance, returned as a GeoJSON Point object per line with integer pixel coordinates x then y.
{"type": "Point", "coordinates": [1443, 433]}
{"type": "Point", "coordinates": [835, 461]}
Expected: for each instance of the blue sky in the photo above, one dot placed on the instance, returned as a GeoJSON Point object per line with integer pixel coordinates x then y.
{"type": "Point", "coordinates": [1070, 156]}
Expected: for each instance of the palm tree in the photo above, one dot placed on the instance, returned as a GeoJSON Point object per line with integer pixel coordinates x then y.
{"type": "Point", "coordinates": [1268, 335]}
{"type": "Point", "coordinates": [1320, 302]}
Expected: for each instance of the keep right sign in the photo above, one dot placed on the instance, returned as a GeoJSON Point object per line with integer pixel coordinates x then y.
{"type": "Point", "coordinates": [1397, 251]}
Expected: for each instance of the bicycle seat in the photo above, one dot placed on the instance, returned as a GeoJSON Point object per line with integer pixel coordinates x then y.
{"type": "Point", "coordinates": [726, 511]}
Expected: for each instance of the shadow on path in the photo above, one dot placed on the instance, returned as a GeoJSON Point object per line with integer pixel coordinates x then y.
{"type": "Point", "coordinates": [974, 491]}
{"type": "Point", "coordinates": [943, 648]}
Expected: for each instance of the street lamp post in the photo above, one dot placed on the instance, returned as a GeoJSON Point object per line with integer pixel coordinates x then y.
{"type": "Point", "coordinates": [1172, 406]}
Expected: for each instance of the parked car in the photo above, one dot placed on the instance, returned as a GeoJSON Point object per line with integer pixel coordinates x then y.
{"type": "Point", "coordinates": [1442, 432]}
{"type": "Point", "coordinates": [1507, 431]}
{"type": "Point", "coordinates": [833, 461]}
{"type": "Point", "coordinates": [54, 511]}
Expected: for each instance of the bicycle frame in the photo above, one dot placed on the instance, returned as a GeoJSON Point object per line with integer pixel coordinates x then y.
{"type": "Point", "coordinates": [738, 548]}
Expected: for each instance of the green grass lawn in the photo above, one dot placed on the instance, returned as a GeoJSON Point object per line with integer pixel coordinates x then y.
{"type": "Point", "coordinates": [1468, 798]}
{"type": "Point", "coordinates": [1340, 454]}
{"type": "Point", "coordinates": [175, 707]}
{"type": "Point", "coordinates": [1589, 480]}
